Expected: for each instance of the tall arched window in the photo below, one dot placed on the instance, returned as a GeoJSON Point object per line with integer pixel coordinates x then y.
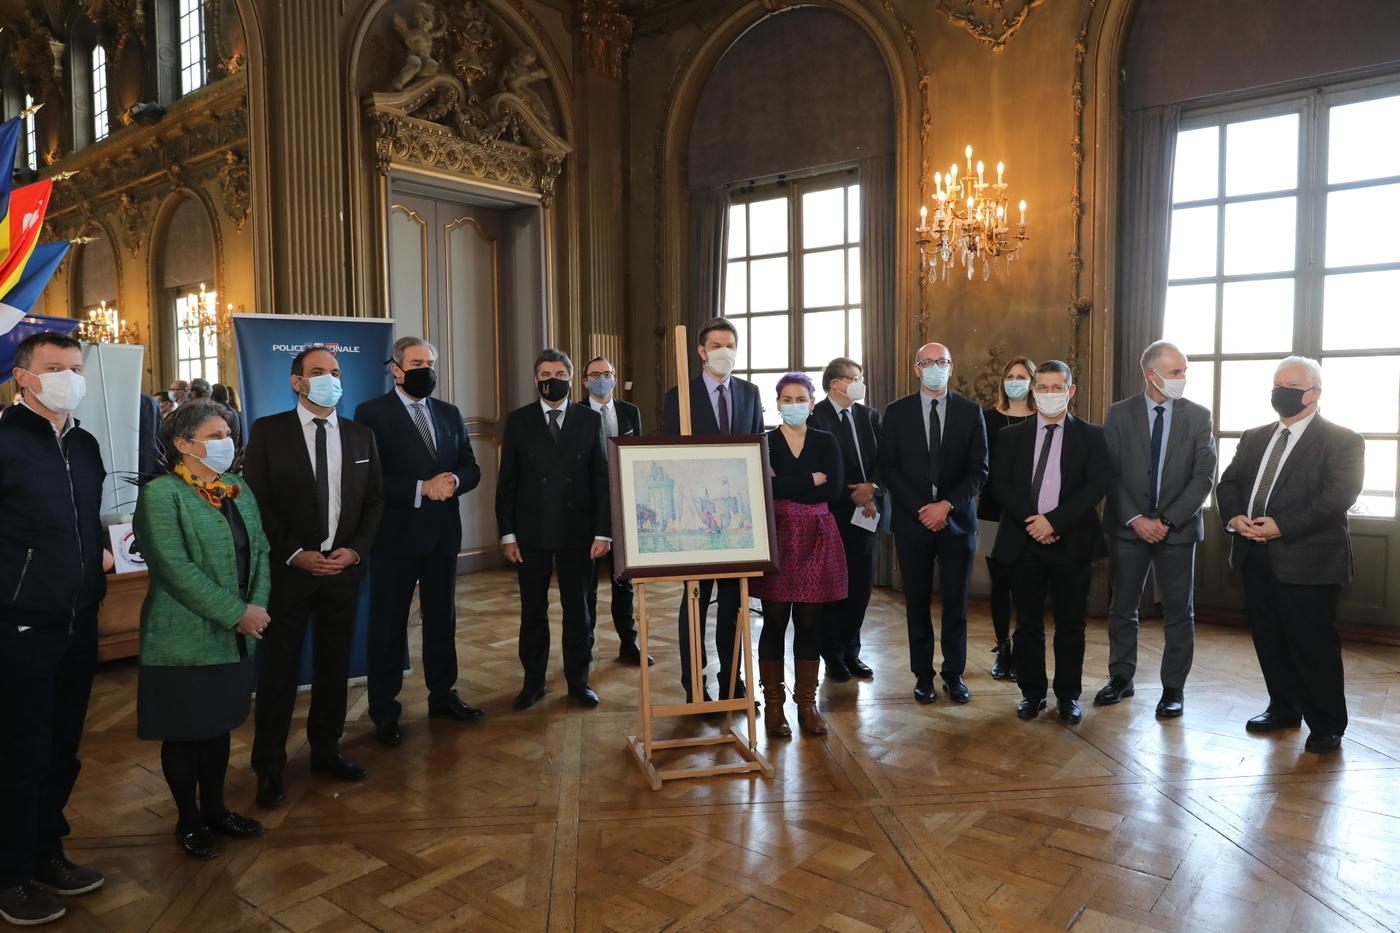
{"type": "Point", "coordinates": [98, 74]}
{"type": "Point", "coordinates": [187, 292]}
{"type": "Point", "coordinates": [31, 136]}
{"type": "Point", "coordinates": [191, 31]}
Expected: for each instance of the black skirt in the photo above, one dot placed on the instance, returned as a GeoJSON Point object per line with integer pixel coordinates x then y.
{"type": "Point", "coordinates": [189, 704]}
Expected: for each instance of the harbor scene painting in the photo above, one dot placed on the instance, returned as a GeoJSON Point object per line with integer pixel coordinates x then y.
{"type": "Point", "coordinates": [685, 505]}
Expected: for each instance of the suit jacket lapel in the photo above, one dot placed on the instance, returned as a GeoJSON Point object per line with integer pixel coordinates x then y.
{"type": "Point", "coordinates": [401, 411]}
{"type": "Point", "coordinates": [1301, 449]}
{"type": "Point", "coordinates": [702, 414]}
{"type": "Point", "coordinates": [296, 436]}
{"type": "Point", "coordinates": [1179, 436]}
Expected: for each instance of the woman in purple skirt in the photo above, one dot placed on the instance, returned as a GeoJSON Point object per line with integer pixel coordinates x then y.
{"type": "Point", "coordinates": [807, 475]}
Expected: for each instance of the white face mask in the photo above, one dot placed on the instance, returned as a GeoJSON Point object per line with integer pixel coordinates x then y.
{"type": "Point", "coordinates": [856, 390]}
{"type": "Point", "coordinates": [61, 392]}
{"type": "Point", "coordinates": [1171, 388]}
{"type": "Point", "coordinates": [218, 454]}
{"type": "Point", "coordinates": [721, 361]}
{"type": "Point", "coordinates": [1052, 404]}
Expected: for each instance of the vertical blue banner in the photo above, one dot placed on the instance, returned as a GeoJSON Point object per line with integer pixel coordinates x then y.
{"type": "Point", "coordinates": [266, 344]}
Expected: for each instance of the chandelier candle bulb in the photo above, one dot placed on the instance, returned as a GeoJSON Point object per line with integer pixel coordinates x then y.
{"type": "Point", "coordinates": [979, 172]}
{"type": "Point", "coordinates": [1023, 213]}
{"type": "Point", "coordinates": [968, 152]}
{"type": "Point", "coordinates": [1000, 167]}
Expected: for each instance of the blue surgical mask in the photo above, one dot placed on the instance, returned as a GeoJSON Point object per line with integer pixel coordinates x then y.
{"type": "Point", "coordinates": [600, 386]}
{"type": "Point", "coordinates": [1016, 388]}
{"type": "Point", "coordinates": [218, 454]}
{"type": "Point", "coordinates": [796, 414]}
{"type": "Point", "coordinates": [936, 377]}
{"type": "Point", "coordinates": [324, 390]}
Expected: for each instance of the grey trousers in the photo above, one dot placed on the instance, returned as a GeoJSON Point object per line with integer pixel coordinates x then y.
{"type": "Point", "coordinates": [1175, 565]}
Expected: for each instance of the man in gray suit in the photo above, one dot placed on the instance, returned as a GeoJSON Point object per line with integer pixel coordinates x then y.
{"type": "Point", "coordinates": [1284, 499]}
{"type": "Point", "coordinates": [1161, 454]}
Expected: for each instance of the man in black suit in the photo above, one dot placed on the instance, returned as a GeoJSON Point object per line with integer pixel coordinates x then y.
{"type": "Point", "coordinates": [553, 511]}
{"type": "Point", "coordinates": [857, 429]}
{"type": "Point", "coordinates": [1284, 499]}
{"type": "Point", "coordinates": [428, 464]}
{"type": "Point", "coordinates": [320, 490]}
{"type": "Point", "coordinates": [1050, 474]}
{"type": "Point", "coordinates": [148, 436]}
{"type": "Point", "coordinates": [719, 404]}
{"type": "Point", "coordinates": [620, 419]}
{"type": "Point", "coordinates": [933, 458]}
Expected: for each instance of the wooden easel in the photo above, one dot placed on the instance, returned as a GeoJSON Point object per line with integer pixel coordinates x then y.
{"type": "Point", "coordinates": [643, 746]}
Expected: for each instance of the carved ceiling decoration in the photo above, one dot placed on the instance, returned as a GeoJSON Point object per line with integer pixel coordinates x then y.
{"type": "Point", "coordinates": [38, 56]}
{"type": "Point", "coordinates": [607, 34]}
{"type": "Point", "coordinates": [236, 188]}
{"type": "Point", "coordinates": [117, 22]}
{"type": "Point", "coordinates": [465, 101]}
{"type": "Point", "coordinates": [990, 21]}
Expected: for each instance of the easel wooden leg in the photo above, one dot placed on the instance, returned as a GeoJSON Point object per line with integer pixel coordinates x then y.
{"type": "Point", "coordinates": [744, 639]}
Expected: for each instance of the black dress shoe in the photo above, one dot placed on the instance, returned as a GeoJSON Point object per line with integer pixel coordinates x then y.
{"type": "Point", "coordinates": [387, 733]}
{"type": "Point", "coordinates": [858, 667]}
{"type": "Point", "coordinates": [28, 905]}
{"type": "Point", "coordinates": [270, 791]}
{"type": "Point", "coordinates": [198, 844]}
{"type": "Point", "coordinates": [836, 670]}
{"type": "Point", "coordinates": [924, 691]}
{"type": "Point", "coordinates": [1070, 712]}
{"type": "Point", "coordinates": [1030, 707]}
{"type": "Point", "coordinates": [62, 877]}
{"type": "Point", "coordinates": [452, 707]}
{"type": "Point", "coordinates": [1269, 721]}
{"type": "Point", "coordinates": [527, 697]}
{"type": "Point", "coordinates": [1115, 691]}
{"type": "Point", "coordinates": [585, 695]}
{"type": "Point", "coordinates": [339, 768]}
{"type": "Point", "coordinates": [631, 654]}
{"type": "Point", "coordinates": [1172, 704]}
{"type": "Point", "coordinates": [1321, 744]}
{"type": "Point", "coordinates": [236, 827]}
{"type": "Point", "coordinates": [957, 690]}
{"type": "Point", "coordinates": [1004, 668]}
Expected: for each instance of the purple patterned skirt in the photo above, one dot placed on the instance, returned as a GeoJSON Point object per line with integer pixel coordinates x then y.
{"type": "Point", "coordinates": [810, 554]}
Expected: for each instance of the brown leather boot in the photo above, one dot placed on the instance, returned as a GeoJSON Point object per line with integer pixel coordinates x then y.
{"type": "Point", "coordinates": [770, 676]}
{"type": "Point", "coordinates": [805, 693]}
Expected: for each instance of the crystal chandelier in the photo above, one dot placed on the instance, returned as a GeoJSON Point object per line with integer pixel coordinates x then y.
{"type": "Point", "coordinates": [208, 315]}
{"type": "Point", "coordinates": [104, 325]}
{"type": "Point", "coordinates": [970, 224]}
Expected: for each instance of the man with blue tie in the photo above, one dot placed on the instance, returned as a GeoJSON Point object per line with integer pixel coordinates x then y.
{"type": "Point", "coordinates": [1161, 457]}
{"type": "Point", "coordinates": [719, 404]}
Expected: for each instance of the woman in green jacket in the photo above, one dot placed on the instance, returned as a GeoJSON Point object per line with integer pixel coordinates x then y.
{"type": "Point", "coordinates": [202, 538]}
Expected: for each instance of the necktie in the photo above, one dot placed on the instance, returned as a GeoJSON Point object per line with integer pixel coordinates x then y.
{"type": "Point", "coordinates": [848, 443]}
{"type": "Point", "coordinates": [554, 429]}
{"type": "Point", "coordinates": [609, 421]}
{"type": "Point", "coordinates": [420, 419]}
{"type": "Point", "coordinates": [1040, 465]}
{"type": "Point", "coordinates": [935, 443]}
{"type": "Point", "coordinates": [723, 411]}
{"type": "Point", "coordinates": [1266, 481]}
{"type": "Point", "coordinates": [1153, 473]}
{"type": "Point", "coordinates": [323, 482]}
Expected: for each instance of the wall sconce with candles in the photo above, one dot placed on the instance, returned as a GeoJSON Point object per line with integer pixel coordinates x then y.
{"type": "Point", "coordinates": [104, 325]}
{"type": "Point", "coordinates": [971, 223]}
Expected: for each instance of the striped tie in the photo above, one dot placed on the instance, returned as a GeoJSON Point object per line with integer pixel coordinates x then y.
{"type": "Point", "coordinates": [1266, 480]}
{"type": "Point", "coordinates": [422, 421]}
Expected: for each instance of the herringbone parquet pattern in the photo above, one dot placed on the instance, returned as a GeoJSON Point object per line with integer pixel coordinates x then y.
{"type": "Point", "coordinates": [903, 818]}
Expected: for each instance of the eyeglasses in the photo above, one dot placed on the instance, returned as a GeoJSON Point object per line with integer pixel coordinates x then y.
{"type": "Point", "coordinates": [923, 364]}
{"type": "Point", "coordinates": [606, 374]}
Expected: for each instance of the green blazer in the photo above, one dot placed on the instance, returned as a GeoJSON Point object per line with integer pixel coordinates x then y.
{"type": "Point", "coordinates": [192, 602]}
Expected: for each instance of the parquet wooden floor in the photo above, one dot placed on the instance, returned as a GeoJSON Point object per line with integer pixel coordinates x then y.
{"type": "Point", "coordinates": [903, 818]}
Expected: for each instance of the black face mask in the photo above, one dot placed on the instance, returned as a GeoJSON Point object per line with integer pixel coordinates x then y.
{"type": "Point", "coordinates": [1288, 402]}
{"type": "Point", "coordinates": [554, 390]}
{"type": "Point", "coordinates": [420, 383]}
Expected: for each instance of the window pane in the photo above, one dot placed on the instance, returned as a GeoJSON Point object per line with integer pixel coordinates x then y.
{"type": "Point", "coordinates": [1361, 310]}
{"type": "Point", "coordinates": [823, 337]}
{"type": "Point", "coordinates": [853, 275]}
{"type": "Point", "coordinates": [823, 218]}
{"type": "Point", "coordinates": [1200, 383]}
{"type": "Point", "coordinates": [738, 233]}
{"type": "Point", "coordinates": [1362, 393]}
{"type": "Point", "coordinates": [1378, 488]}
{"type": "Point", "coordinates": [741, 357]}
{"type": "Point", "coordinates": [768, 395]}
{"type": "Point", "coordinates": [1360, 226]}
{"type": "Point", "coordinates": [189, 343]}
{"type": "Point", "coordinates": [1245, 387]}
{"type": "Point", "coordinates": [768, 285]}
{"type": "Point", "coordinates": [1196, 172]}
{"type": "Point", "coordinates": [1363, 140]}
{"type": "Point", "coordinates": [211, 370]}
{"type": "Point", "coordinates": [853, 214]}
{"type": "Point", "coordinates": [824, 279]}
{"type": "Point", "coordinates": [1225, 448]}
{"type": "Point", "coordinates": [857, 350]}
{"type": "Point", "coordinates": [1190, 318]}
{"type": "Point", "coordinates": [1192, 253]}
{"type": "Point", "coordinates": [211, 343]}
{"type": "Point", "coordinates": [1260, 236]}
{"type": "Point", "coordinates": [768, 342]}
{"type": "Point", "coordinates": [736, 288]}
{"type": "Point", "coordinates": [1257, 317]}
{"type": "Point", "coordinates": [1261, 155]}
{"type": "Point", "coordinates": [768, 226]}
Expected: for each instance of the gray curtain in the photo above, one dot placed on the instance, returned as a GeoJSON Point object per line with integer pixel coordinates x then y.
{"type": "Point", "coordinates": [1144, 234]}
{"type": "Point", "coordinates": [877, 265]}
{"type": "Point", "coordinates": [709, 229]}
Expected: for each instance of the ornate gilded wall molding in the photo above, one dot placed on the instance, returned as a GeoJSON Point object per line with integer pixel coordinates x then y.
{"type": "Point", "coordinates": [990, 21]}
{"type": "Point", "coordinates": [39, 57]}
{"type": "Point", "coordinates": [985, 386]}
{"type": "Point", "coordinates": [1080, 307]}
{"type": "Point", "coordinates": [131, 222]}
{"type": "Point", "coordinates": [911, 39]}
{"type": "Point", "coordinates": [231, 61]}
{"type": "Point", "coordinates": [235, 187]}
{"type": "Point", "coordinates": [117, 22]}
{"type": "Point", "coordinates": [607, 35]}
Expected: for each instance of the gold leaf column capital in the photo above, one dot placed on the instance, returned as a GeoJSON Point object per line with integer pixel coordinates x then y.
{"type": "Point", "coordinates": [607, 35]}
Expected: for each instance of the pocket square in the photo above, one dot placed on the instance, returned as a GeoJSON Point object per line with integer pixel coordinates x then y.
{"type": "Point", "coordinates": [358, 462]}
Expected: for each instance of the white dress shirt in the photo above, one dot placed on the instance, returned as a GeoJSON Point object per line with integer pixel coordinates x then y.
{"type": "Point", "coordinates": [408, 403]}
{"type": "Point", "coordinates": [333, 463]}
{"type": "Point", "coordinates": [1295, 432]}
{"type": "Point", "coordinates": [608, 412]}
{"type": "Point", "coordinates": [941, 401]}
